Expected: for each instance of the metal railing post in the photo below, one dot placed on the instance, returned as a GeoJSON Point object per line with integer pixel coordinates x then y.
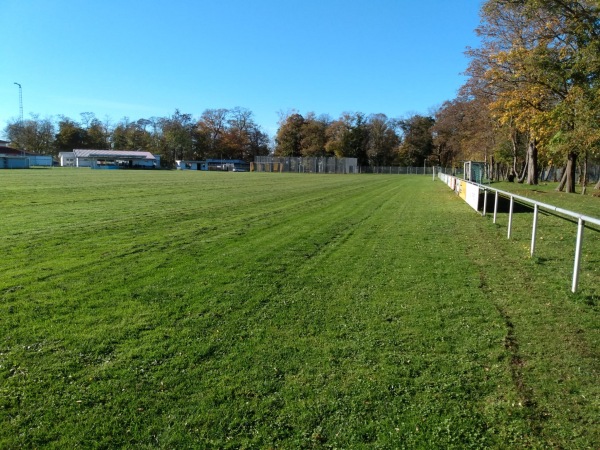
{"type": "Point", "coordinates": [496, 207]}
{"type": "Point", "coordinates": [534, 230]}
{"type": "Point", "coordinates": [580, 228]}
{"type": "Point", "coordinates": [484, 202]}
{"type": "Point", "coordinates": [510, 215]}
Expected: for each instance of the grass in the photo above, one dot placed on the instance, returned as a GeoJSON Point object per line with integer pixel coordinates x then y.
{"type": "Point", "coordinates": [185, 309]}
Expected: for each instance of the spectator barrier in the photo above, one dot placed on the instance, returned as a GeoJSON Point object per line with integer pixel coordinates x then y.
{"type": "Point", "coordinates": [470, 192]}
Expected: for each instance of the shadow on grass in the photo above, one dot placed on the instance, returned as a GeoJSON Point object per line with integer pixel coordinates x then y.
{"type": "Point", "coordinates": [503, 204]}
{"type": "Point", "coordinates": [540, 260]}
{"type": "Point", "coordinates": [590, 300]}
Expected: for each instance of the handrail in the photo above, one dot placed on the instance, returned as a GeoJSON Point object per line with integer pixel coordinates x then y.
{"type": "Point", "coordinates": [582, 219]}
{"type": "Point", "coordinates": [546, 206]}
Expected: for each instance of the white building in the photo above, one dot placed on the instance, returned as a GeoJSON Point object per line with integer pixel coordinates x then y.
{"type": "Point", "coordinates": [66, 159]}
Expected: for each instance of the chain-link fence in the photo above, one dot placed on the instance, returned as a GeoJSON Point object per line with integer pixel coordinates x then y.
{"type": "Point", "coordinates": [350, 165]}
{"type": "Point", "coordinates": [546, 174]}
{"type": "Point", "coordinates": [328, 165]}
{"type": "Point", "coordinates": [394, 170]}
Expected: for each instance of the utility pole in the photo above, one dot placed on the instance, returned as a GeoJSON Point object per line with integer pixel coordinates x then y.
{"type": "Point", "coordinates": [20, 103]}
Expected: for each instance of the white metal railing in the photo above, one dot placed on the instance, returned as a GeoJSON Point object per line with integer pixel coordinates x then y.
{"type": "Point", "coordinates": [582, 219]}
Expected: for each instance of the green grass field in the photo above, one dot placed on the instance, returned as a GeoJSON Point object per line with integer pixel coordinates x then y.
{"type": "Point", "coordinates": [244, 310]}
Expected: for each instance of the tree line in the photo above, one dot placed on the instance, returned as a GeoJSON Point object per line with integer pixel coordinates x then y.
{"type": "Point", "coordinates": [375, 140]}
{"type": "Point", "coordinates": [218, 133]}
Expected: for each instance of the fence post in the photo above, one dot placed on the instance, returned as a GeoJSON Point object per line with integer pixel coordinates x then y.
{"type": "Point", "coordinates": [510, 215]}
{"type": "Point", "coordinates": [496, 207]}
{"type": "Point", "coordinates": [580, 228]}
{"type": "Point", "coordinates": [534, 230]}
{"type": "Point", "coordinates": [484, 202]}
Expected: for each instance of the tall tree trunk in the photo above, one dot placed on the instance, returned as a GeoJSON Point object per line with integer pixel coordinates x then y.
{"type": "Point", "coordinates": [521, 178]}
{"type": "Point", "coordinates": [571, 172]}
{"type": "Point", "coordinates": [532, 169]}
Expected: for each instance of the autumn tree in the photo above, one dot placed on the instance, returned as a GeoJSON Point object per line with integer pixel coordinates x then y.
{"type": "Point", "coordinates": [211, 128]}
{"type": "Point", "coordinates": [371, 140]}
{"type": "Point", "coordinates": [128, 135]}
{"type": "Point", "coordinates": [349, 137]}
{"type": "Point", "coordinates": [314, 135]}
{"type": "Point", "coordinates": [503, 65]}
{"type": "Point", "coordinates": [242, 137]}
{"type": "Point", "coordinates": [97, 134]}
{"type": "Point", "coordinates": [34, 135]}
{"type": "Point", "coordinates": [178, 132]}
{"type": "Point", "coordinates": [448, 133]}
{"type": "Point", "coordinates": [289, 135]}
{"type": "Point", "coordinates": [259, 144]}
{"type": "Point", "coordinates": [235, 139]}
{"type": "Point", "coordinates": [71, 135]}
{"type": "Point", "coordinates": [417, 140]}
{"type": "Point", "coordinates": [337, 137]}
{"type": "Point", "coordinates": [229, 133]}
{"type": "Point", "coordinates": [382, 141]}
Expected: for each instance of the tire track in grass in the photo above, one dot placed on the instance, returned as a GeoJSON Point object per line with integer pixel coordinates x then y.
{"type": "Point", "coordinates": [173, 225]}
{"type": "Point", "coordinates": [477, 243]}
{"type": "Point", "coordinates": [240, 316]}
{"type": "Point", "coordinates": [293, 239]}
{"type": "Point", "coordinates": [539, 342]}
{"type": "Point", "coordinates": [319, 323]}
{"type": "Point", "coordinates": [298, 273]}
{"type": "Point", "coordinates": [516, 363]}
{"type": "Point", "coordinates": [383, 243]}
{"type": "Point", "coordinates": [218, 241]}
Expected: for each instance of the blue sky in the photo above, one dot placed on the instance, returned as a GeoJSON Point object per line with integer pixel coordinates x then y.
{"type": "Point", "coordinates": [146, 58]}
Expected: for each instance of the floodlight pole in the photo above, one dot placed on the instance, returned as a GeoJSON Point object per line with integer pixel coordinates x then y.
{"type": "Point", "coordinates": [20, 102]}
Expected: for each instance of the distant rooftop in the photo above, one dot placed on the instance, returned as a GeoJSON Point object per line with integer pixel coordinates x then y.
{"type": "Point", "coordinates": [125, 154]}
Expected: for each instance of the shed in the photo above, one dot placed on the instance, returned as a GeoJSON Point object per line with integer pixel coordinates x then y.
{"type": "Point", "coordinates": [40, 160]}
{"type": "Point", "coordinates": [475, 171]}
{"type": "Point", "coordinates": [234, 165]}
{"type": "Point", "coordinates": [14, 162]}
{"type": "Point", "coordinates": [66, 159]}
{"type": "Point", "coordinates": [35, 159]}
{"type": "Point", "coordinates": [190, 165]}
